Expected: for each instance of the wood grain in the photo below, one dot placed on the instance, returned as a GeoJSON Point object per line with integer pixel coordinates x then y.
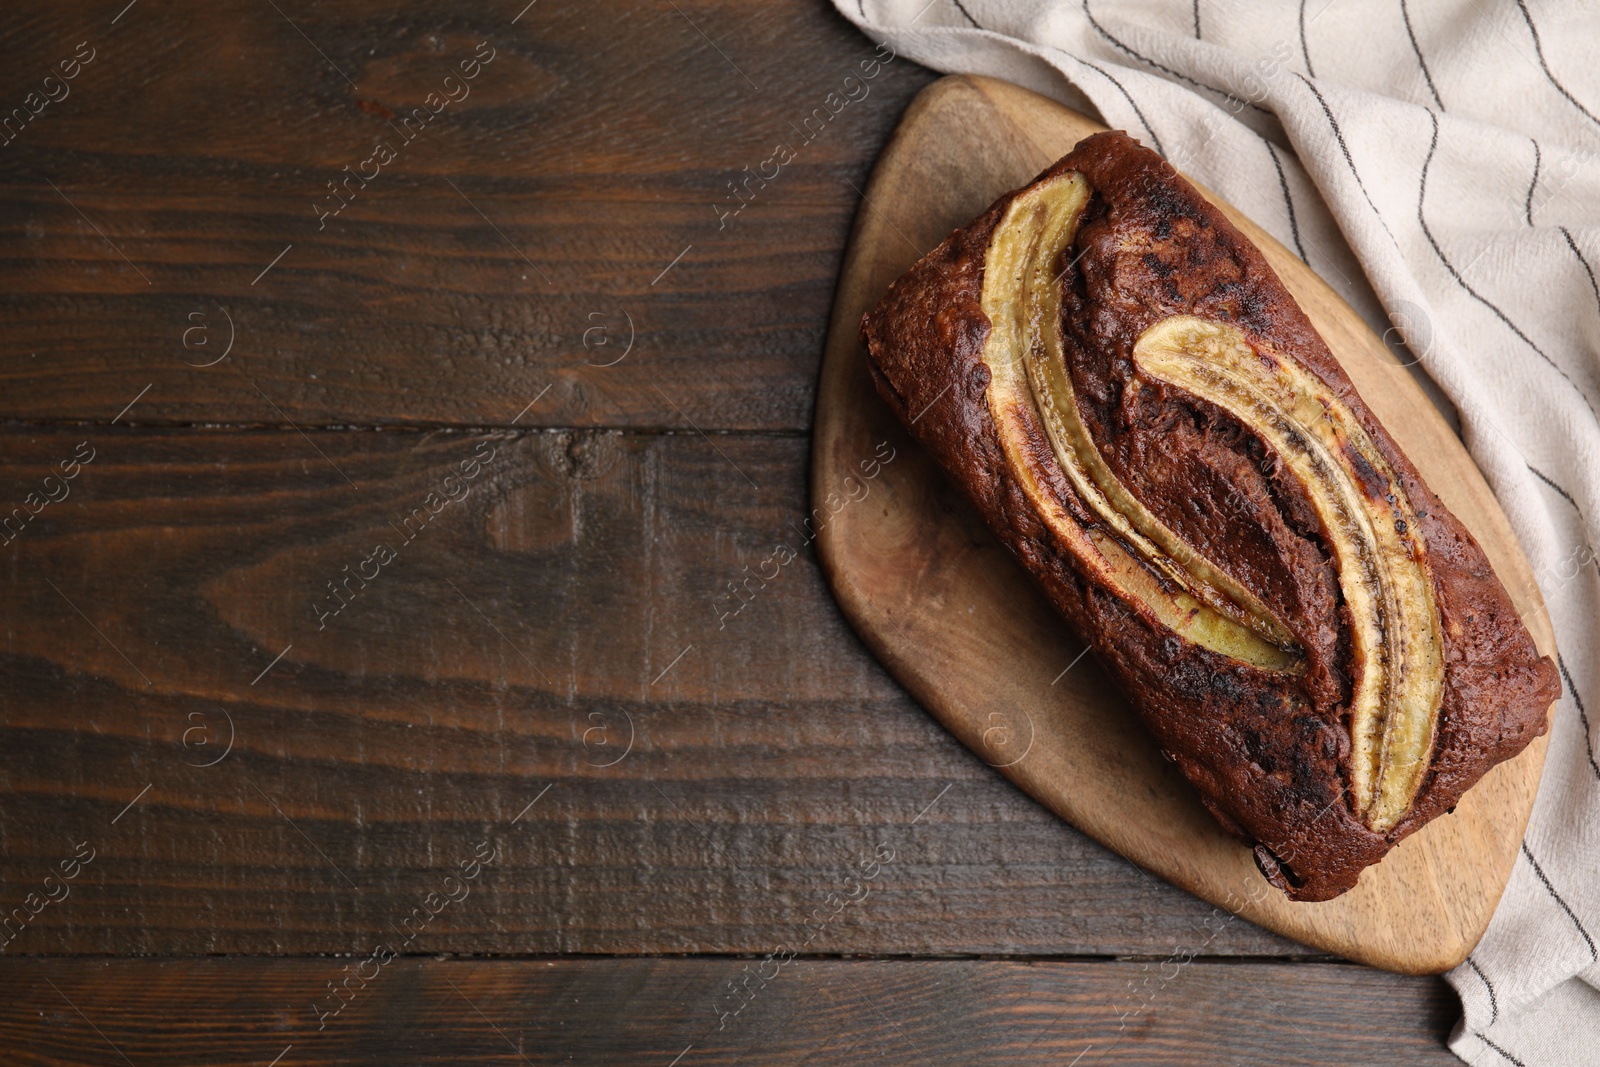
{"type": "Point", "coordinates": [658, 1011]}
{"type": "Point", "coordinates": [941, 604]}
{"type": "Point", "coordinates": [590, 152]}
{"type": "Point", "coordinates": [519, 640]}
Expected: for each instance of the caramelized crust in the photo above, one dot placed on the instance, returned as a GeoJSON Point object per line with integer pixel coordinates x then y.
{"type": "Point", "coordinates": [1291, 704]}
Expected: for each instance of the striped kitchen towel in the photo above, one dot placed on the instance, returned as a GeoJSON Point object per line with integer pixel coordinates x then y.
{"type": "Point", "coordinates": [1439, 165]}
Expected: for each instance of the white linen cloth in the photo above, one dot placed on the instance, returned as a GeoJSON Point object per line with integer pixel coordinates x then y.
{"type": "Point", "coordinates": [1454, 147]}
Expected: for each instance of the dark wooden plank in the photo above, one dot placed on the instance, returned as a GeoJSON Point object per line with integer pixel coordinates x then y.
{"type": "Point", "coordinates": [597, 145]}
{"type": "Point", "coordinates": [576, 589]}
{"type": "Point", "coordinates": [661, 1011]}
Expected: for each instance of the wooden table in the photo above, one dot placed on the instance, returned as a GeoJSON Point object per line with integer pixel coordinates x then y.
{"type": "Point", "coordinates": [370, 691]}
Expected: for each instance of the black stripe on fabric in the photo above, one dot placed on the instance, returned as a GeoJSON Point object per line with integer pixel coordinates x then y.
{"type": "Point", "coordinates": [1557, 898]}
{"type": "Point", "coordinates": [1197, 19]}
{"type": "Point", "coordinates": [1593, 286]}
{"type": "Point", "coordinates": [1283, 183]}
{"type": "Point", "coordinates": [1422, 194]}
{"type": "Point", "coordinates": [1131, 103]}
{"type": "Point", "coordinates": [1494, 1003]}
{"type": "Point", "coordinates": [1304, 51]}
{"type": "Point", "coordinates": [1547, 480]}
{"type": "Point", "coordinates": [1583, 716]}
{"type": "Point", "coordinates": [1538, 47]}
{"type": "Point", "coordinates": [1561, 664]}
{"type": "Point", "coordinates": [1497, 1048]}
{"type": "Point", "coordinates": [1405, 13]}
{"type": "Point", "coordinates": [1338, 135]}
{"type": "Point", "coordinates": [963, 9]}
{"type": "Point", "coordinates": [1101, 30]}
{"type": "Point", "coordinates": [1538, 158]}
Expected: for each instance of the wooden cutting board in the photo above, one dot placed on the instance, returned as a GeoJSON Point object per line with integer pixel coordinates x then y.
{"type": "Point", "coordinates": [959, 624]}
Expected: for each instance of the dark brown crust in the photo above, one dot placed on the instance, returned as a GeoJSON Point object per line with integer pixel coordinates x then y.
{"type": "Point", "coordinates": [1270, 760]}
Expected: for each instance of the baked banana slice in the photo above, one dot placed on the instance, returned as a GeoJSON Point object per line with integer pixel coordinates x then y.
{"type": "Point", "coordinates": [1145, 417]}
